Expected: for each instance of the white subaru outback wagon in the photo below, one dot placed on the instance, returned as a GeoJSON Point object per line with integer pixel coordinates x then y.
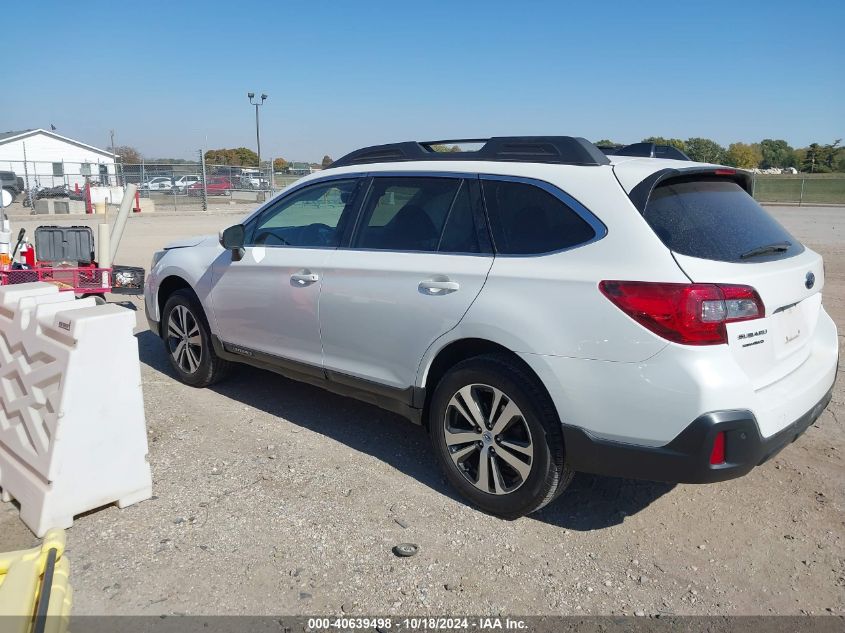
{"type": "Point", "coordinates": [541, 307]}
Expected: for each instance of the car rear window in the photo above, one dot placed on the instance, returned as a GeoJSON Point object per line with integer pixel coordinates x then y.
{"type": "Point", "coordinates": [716, 219]}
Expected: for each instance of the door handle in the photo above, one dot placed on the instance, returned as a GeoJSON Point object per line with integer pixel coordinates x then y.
{"type": "Point", "coordinates": [304, 278]}
{"type": "Point", "coordinates": [437, 287]}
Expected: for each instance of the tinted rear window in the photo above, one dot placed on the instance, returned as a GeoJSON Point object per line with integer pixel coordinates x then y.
{"type": "Point", "coordinates": [716, 219]}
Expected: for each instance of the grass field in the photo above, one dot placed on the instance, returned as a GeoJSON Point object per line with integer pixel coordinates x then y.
{"type": "Point", "coordinates": [817, 188]}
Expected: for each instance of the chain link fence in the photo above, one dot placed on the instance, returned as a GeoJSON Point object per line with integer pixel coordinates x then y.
{"type": "Point", "coordinates": [168, 186]}
{"type": "Point", "coordinates": [196, 186]}
{"type": "Point", "coordinates": [801, 189]}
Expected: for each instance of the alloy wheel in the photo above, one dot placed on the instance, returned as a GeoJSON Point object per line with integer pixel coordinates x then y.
{"type": "Point", "coordinates": [488, 439]}
{"type": "Point", "coordinates": [183, 339]}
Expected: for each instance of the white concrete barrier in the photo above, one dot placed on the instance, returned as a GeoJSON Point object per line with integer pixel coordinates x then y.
{"type": "Point", "coordinates": [72, 428]}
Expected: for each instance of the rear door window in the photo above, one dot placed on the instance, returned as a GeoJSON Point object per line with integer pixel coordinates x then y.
{"type": "Point", "coordinates": [716, 219]}
{"type": "Point", "coordinates": [421, 214]}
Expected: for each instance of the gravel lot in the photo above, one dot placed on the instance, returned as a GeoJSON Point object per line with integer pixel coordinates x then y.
{"type": "Point", "coordinates": [275, 497]}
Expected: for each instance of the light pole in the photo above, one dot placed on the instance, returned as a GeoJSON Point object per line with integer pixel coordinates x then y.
{"type": "Point", "coordinates": [251, 96]}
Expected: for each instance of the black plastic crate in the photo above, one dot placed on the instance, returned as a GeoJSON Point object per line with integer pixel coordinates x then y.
{"type": "Point", "coordinates": [127, 280]}
{"type": "Point", "coordinates": [64, 244]}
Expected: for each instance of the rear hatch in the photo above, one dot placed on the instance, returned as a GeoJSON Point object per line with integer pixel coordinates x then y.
{"type": "Point", "coordinates": [719, 234]}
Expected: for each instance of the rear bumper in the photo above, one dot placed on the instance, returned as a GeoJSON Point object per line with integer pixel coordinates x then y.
{"type": "Point", "coordinates": [686, 459]}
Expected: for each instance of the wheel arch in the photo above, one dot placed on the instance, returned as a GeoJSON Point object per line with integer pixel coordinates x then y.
{"type": "Point", "coordinates": [167, 287]}
{"type": "Point", "coordinates": [463, 349]}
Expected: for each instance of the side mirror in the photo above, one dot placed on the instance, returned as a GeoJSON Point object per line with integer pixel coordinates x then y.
{"type": "Point", "coordinates": [232, 239]}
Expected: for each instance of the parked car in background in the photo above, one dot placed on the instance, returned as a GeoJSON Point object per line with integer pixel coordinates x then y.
{"type": "Point", "coordinates": [539, 307]}
{"type": "Point", "coordinates": [159, 183]}
{"type": "Point", "coordinates": [215, 186]}
{"type": "Point", "coordinates": [182, 183]}
{"type": "Point", "coordinates": [254, 179]}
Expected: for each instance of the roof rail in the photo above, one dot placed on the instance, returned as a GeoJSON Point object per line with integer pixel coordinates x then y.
{"type": "Point", "coordinates": [562, 150]}
{"type": "Point", "coordinates": [648, 150]}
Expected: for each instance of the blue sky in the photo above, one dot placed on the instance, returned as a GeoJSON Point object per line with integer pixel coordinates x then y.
{"type": "Point", "coordinates": [166, 76]}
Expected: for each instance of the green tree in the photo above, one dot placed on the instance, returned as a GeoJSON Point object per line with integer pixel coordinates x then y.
{"type": "Point", "coordinates": [674, 142]}
{"type": "Point", "coordinates": [814, 159]}
{"type": "Point", "coordinates": [445, 149]}
{"type": "Point", "coordinates": [280, 164]}
{"type": "Point", "coordinates": [327, 160]}
{"type": "Point", "coordinates": [818, 158]}
{"type": "Point", "coordinates": [776, 153]}
{"type": "Point", "coordinates": [128, 155]}
{"type": "Point", "coordinates": [240, 156]}
{"type": "Point", "coordinates": [743, 155]}
{"type": "Point", "coordinates": [607, 143]}
{"type": "Point", "coordinates": [704, 150]}
{"type": "Point", "coordinates": [831, 154]}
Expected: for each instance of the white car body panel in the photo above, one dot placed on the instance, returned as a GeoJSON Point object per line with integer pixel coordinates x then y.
{"type": "Point", "coordinates": [375, 319]}
{"type": "Point", "coordinates": [258, 306]}
{"type": "Point", "coordinates": [191, 264]}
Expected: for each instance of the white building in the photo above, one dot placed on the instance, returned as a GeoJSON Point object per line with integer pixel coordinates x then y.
{"type": "Point", "coordinates": [52, 160]}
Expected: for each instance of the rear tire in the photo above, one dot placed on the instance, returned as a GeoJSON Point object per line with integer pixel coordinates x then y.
{"type": "Point", "coordinates": [187, 340]}
{"type": "Point", "coordinates": [497, 436]}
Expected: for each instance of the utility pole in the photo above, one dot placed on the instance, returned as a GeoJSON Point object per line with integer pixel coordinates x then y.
{"type": "Point", "coordinates": [257, 103]}
{"type": "Point", "coordinates": [114, 158]}
{"type": "Point", "coordinates": [204, 188]}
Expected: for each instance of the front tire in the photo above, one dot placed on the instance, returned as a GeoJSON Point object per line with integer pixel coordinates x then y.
{"type": "Point", "coordinates": [187, 340]}
{"type": "Point", "coordinates": [497, 436]}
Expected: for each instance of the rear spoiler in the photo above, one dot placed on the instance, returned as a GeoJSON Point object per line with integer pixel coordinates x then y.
{"type": "Point", "coordinates": [640, 194]}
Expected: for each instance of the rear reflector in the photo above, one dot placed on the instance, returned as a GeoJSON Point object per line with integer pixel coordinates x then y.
{"type": "Point", "coordinates": [717, 455]}
{"type": "Point", "coordinates": [692, 314]}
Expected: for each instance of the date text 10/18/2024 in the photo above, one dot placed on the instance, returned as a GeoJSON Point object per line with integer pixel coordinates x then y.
{"type": "Point", "coordinates": [416, 624]}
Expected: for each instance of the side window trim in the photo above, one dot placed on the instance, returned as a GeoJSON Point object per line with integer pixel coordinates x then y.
{"type": "Point", "coordinates": [350, 224]}
{"type": "Point", "coordinates": [484, 231]}
{"type": "Point", "coordinates": [599, 227]}
{"type": "Point", "coordinates": [359, 212]}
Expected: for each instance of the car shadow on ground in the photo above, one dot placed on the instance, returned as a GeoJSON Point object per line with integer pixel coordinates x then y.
{"type": "Point", "coordinates": [590, 503]}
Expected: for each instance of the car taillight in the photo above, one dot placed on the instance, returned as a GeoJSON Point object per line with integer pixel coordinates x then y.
{"type": "Point", "coordinates": [692, 314]}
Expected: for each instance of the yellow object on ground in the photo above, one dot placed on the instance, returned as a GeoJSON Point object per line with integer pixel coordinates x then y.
{"type": "Point", "coordinates": [35, 595]}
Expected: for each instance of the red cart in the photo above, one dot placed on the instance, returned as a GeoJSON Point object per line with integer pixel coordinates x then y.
{"type": "Point", "coordinates": [81, 280]}
{"type": "Point", "coordinates": [64, 256]}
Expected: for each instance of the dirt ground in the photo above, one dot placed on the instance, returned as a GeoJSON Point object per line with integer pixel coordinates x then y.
{"type": "Point", "coordinates": [272, 497]}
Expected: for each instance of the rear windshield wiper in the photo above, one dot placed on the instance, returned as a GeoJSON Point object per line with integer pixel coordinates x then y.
{"type": "Point", "coordinates": [777, 247]}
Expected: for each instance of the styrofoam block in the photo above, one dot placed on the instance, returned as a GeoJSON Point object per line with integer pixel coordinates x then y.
{"type": "Point", "coordinates": [72, 427]}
